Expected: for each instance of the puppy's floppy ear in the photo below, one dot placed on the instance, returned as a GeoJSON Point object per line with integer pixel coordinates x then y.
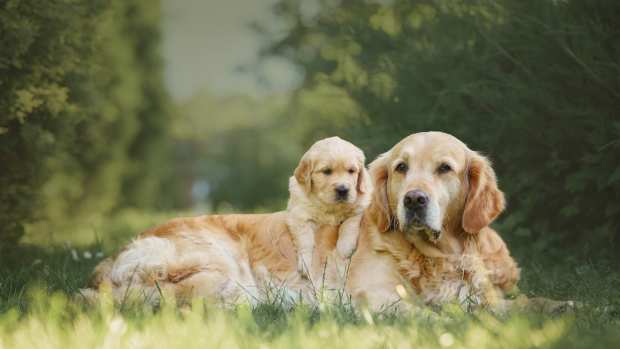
{"type": "Point", "coordinates": [379, 206]}
{"type": "Point", "coordinates": [303, 173]}
{"type": "Point", "coordinates": [364, 183]}
{"type": "Point", "coordinates": [484, 200]}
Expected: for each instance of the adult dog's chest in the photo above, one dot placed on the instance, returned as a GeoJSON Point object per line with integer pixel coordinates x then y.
{"type": "Point", "coordinates": [441, 280]}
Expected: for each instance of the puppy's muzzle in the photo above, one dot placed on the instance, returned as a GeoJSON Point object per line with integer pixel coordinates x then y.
{"type": "Point", "coordinates": [342, 193]}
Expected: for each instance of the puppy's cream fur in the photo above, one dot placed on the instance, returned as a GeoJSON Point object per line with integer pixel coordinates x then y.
{"type": "Point", "coordinates": [328, 164]}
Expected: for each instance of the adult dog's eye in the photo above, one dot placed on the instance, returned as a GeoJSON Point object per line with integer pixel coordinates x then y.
{"type": "Point", "coordinates": [327, 171]}
{"type": "Point", "coordinates": [351, 171]}
{"type": "Point", "coordinates": [443, 168]}
{"type": "Point", "coordinates": [401, 167]}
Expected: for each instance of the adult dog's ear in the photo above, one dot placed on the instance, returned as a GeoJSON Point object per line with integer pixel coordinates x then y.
{"type": "Point", "coordinates": [484, 200]}
{"type": "Point", "coordinates": [303, 173]}
{"type": "Point", "coordinates": [379, 206]}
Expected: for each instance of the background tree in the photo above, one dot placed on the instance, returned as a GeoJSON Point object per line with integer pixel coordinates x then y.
{"type": "Point", "coordinates": [82, 111]}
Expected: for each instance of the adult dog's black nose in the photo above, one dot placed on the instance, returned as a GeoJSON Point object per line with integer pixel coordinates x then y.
{"type": "Point", "coordinates": [342, 191]}
{"type": "Point", "coordinates": [415, 200]}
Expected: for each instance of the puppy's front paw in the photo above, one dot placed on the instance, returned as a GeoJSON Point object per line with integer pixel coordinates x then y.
{"type": "Point", "coordinates": [303, 265]}
{"type": "Point", "coordinates": [346, 247]}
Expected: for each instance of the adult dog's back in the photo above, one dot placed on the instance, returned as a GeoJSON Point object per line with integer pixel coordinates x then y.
{"type": "Point", "coordinates": [223, 257]}
{"type": "Point", "coordinates": [230, 259]}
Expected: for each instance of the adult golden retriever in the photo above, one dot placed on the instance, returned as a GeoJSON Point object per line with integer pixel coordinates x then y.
{"type": "Point", "coordinates": [244, 257]}
{"type": "Point", "coordinates": [427, 228]}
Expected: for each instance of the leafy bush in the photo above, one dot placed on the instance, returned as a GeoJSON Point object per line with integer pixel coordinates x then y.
{"type": "Point", "coordinates": [81, 106]}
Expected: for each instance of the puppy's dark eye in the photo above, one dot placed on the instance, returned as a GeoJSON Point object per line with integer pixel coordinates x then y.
{"type": "Point", "coordinates": [402, 167]}
{"type": "Point", "coordinates": [443, 168]}
{"type": "Point", "coordinates": [351, 171]}
{"type": "Point", "coordinates": [327, 171]}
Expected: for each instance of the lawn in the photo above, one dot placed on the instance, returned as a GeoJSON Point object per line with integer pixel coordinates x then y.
{"type": "Point", "coordinates": [38, 310]}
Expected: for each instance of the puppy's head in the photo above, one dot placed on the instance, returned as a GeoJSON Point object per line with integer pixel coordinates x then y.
{"type": "Point", "coordinates": [431, 182]}
{"type": "Point", "coordinates": [333, 172]}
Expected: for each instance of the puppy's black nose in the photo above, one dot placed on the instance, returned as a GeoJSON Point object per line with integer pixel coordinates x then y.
{"type": "Point", "coordinates": [415, 200]}
{"type": "Point", "coordinates": [342, 191]}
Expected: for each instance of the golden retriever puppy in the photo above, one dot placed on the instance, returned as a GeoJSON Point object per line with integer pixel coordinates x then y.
{"type": "Point", "coordinates": [248, 257]}
{"type": "Point", "coordinates": [330, 187]}
{"type": "Point", "coordinates": [427, 227]}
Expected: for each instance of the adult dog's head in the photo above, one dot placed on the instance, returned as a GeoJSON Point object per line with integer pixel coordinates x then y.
{"type": "Point", "coordinates": [430, 183]}
{"type": "Point", "coordinates": [333, 173]}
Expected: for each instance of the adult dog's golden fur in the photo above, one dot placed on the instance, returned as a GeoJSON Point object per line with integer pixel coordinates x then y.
{"type": "Point", "coordinates": [442, 247]}
{"type": "Point", "coordinates": [244, 257]}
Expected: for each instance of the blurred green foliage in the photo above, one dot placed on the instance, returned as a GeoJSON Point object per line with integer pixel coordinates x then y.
{"type": "Point", "coordinates": [86, 127]}
{"type": "Point", "coordinates": [533, 84]}
{"type": "Point", "coordinates": [83, 112]}
{"type": "Point", "coordinates": [238, 148]}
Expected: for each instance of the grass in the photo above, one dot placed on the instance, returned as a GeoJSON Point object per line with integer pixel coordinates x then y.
{"type": "Point", "coordinates": [38, 309]}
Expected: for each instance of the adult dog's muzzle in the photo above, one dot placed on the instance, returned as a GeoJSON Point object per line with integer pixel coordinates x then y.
{"type": "Point", "coordinates": [416, 203]}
